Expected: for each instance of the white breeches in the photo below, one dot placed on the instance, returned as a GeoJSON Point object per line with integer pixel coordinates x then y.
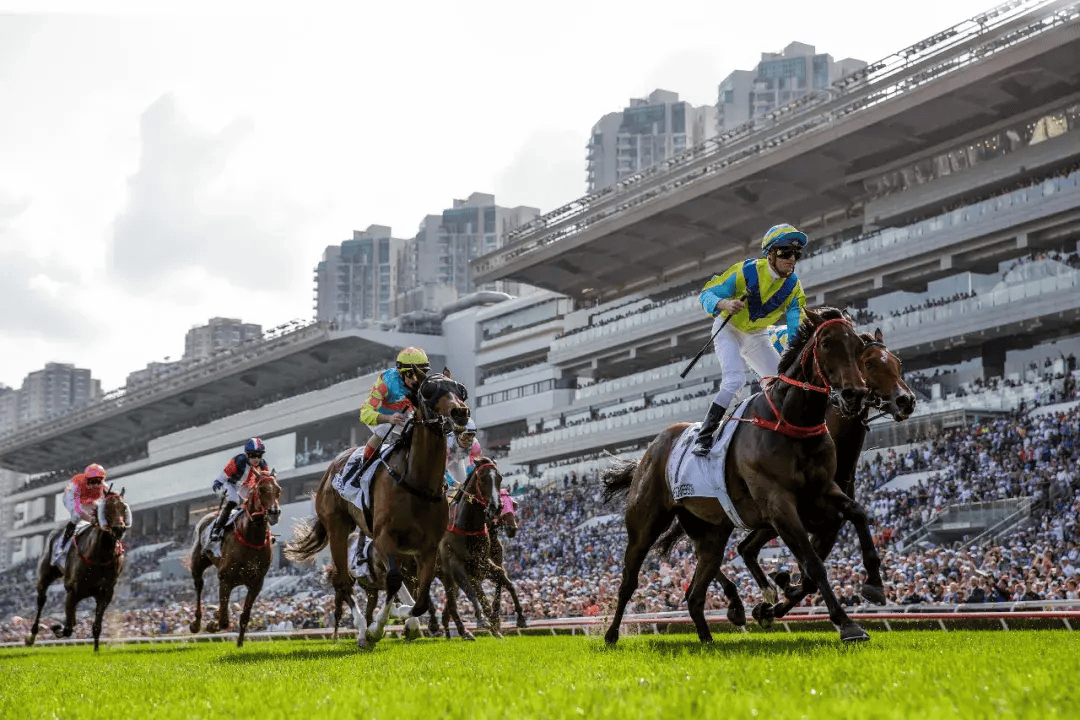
{"type": "Point", "coordinates": [735, 350]}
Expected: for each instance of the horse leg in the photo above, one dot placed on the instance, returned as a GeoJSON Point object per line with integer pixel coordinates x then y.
{"type": "Point", "coordinates": [793, 533]}
{"type": "Point", "coordinates": [252, 592]}
{"type": "Point", "coordinates": [44, 582]}
{"type": "Point", "coordinates": [710, 541]}
{"type": "Point", "coordinates": [224, 591]}
{"type": "Point", "coordinates": [377, 627]}
{"type": "Point", "coordinates": [749, 549]}
{"type": "Point", "coordinates": [70, 603]}
{"type": "Point", "coordinates": [338, 539]}
{"type": "Point", "coordinates": [874, 587]}
{"type": "Point", "coordinates": [503, 580]}
{"type": "Point", "coordinates": [452, 609]}
{"type": "Point", "coordinates": [736, 611]}
{"type": "Point", "coordinates": [199, 563]}
{"type": "Point", "coordinates": [101, 601]}
{"type": "Point", "coordinates": [641, 532]}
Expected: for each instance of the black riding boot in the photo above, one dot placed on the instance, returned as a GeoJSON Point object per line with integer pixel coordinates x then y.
{"type": "Point", "coordinates": [219, 525]}
{"type": "Point", "coordinates": [705, 435]}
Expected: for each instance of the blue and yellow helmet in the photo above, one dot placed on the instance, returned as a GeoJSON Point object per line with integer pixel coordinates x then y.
{"type": "Point", "coordinates": [782, 236]}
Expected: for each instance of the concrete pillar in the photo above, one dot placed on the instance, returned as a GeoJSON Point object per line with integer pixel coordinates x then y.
{"type": "Point", "coordinates": [993, 359]}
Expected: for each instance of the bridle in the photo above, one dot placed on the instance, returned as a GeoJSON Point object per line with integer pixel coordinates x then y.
{"type": "Point", "coordinates": [873, 400]}
{"type": "Point", "coordinates": [476, 498]}
{"type": "Point", "coordinates": [104, 526]}
{"type": "Point", "coordinates": [431, 418]}
{"type": "Point", "coordinates": [254, 500]}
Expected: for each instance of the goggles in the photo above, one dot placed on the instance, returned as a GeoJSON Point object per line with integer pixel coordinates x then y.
{"type": "Point", "coordinates": [787, 253]}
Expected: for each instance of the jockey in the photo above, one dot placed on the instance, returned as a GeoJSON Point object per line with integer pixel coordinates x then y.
{"type": "Point", "coordinates": [773, 292]}
{"type": "Point", "coordinates": [235, 473]}
{"type": "Point", "coordinates": [85, 489]}
{"type": "Point", "coordinates": [462, 452]}
{"type": "Point", "coordinates": [389, 401]}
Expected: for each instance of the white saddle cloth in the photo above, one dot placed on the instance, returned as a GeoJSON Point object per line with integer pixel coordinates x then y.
{"type": "Point", "coordinates": [691, 476]}
{"type": "Point", "coordinates": [60, 548]}
{"type": "Point", "coordinates": [359, 496]}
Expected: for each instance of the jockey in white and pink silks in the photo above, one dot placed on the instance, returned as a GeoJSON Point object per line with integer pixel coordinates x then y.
{"type": "Point", "coordinates": [81, 496]}
{"type": "Point", "coordinates": [462, 453]}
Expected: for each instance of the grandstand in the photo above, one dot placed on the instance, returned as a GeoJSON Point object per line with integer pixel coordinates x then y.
{"type": "Point", "coordinates": [941, 191]}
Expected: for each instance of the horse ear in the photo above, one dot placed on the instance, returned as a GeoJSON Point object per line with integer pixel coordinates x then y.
{"type": "Point", "coordinates": [878, 335]}
{"type": "Point", "coordinates": [446, 372]}
{"type": "Point", "coordinates": [812, 316]}
{"type": "Point", "coordinates": [122, 490]}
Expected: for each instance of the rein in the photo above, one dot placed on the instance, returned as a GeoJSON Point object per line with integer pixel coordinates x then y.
{"type": "Point", "coordinates": [260, 512]}
{"type": "Point", "coordinates": [440, 425]}
{"type": "Point", "coordinates": [781, 425]}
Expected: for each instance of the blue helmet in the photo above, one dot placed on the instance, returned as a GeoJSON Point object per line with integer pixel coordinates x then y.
{"type": "Point", "coordinates": [782, 236]}
{"type": "Point", "coordinates": [254, 445]}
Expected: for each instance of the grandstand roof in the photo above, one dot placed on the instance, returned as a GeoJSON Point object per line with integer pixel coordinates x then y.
{"type": "Point", "coordinates": [282, 365]}
{"type": "Point", "coordinates": [708, 206]}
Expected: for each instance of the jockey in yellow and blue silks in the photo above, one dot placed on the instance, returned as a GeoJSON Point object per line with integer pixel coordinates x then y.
{"type": "Point", "coordinates": [773, 295]}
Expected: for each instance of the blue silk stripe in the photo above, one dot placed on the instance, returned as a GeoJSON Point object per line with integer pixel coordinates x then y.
{"type": "Point", "coordinates": [757, 309]}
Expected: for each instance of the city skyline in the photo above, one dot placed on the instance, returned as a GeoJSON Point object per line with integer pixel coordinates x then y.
{"type": "Point", "coordinates": [159, 173]}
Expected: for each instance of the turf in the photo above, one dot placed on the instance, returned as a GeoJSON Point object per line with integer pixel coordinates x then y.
{"type": "Point", "coordinates": [914, 674]}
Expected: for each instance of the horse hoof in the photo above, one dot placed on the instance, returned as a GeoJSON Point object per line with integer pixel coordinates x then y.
{"type": "Point", "coordinates": [873, 593]}
{"type": "Point", "coordinates": [374, 633]}
{"type": "Point", "coordinates": [482, 624]}
{"type": "Point", "coordinates": [736, 615]}
{"type": "Point", "coordinates": [194, 627]}
{"type": "Point", "coordinates": [763, 613]}
{"type": "Point", "coordinates": [412, 628]}
{"type": "Point", "coordinates": [401, 612]}
{"type": "Point", "coordinates": [29, 641]}
{"type": "Point", "coordinates": [611, 636]}
{"type": "Point", "coordinates": [783, 579]}
{"type": "Point", "coordinates": [361, 642]}
{"type": "Point", "coordinates": [521, 622]}
{"type": "Point", "coordinates": [793, 592]}
{"type": "Point", "coordinates": [780, 610]}
{"type": "Point", "coordinates": [851, 632]}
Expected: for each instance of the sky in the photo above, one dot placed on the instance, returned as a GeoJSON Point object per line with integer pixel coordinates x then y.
{"type": "Point", "coordinates": [160, 169]}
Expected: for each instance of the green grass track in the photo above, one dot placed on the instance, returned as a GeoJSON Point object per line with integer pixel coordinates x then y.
{"type": "Point", "coordinates": [920, 675]}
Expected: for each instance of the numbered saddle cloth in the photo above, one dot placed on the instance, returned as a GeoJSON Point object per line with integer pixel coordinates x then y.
{"type": "Point", "coordinates": [358, 492]}
{"type": "Point", "coordinates": [60, 548]}
{"type": "Point", "coordinates": [205, 535]}
{"type": "Point", "coordinates": [693, 476]}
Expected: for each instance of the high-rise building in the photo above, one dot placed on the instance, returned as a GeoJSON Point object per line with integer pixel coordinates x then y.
{"type": "Point", "coordinates": [9, 409]}
{"type": "Point", "coordinates": [780, 78]}
{"type": "Point", "coordinates": [152, 373]}
{"type": "Point", "coordinates": [56, 389]}
{"type": "Point", "coordinates": [434, 267]}
{"type": "Point", "coordinates": [218, 334]}
{"type": "Point", "coordinates": [646, 132]}
{"type": "Point", "coordinates": [355, 281]}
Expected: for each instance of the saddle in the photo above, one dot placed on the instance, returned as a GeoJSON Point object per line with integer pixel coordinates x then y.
{"type": "Point", "coordinates": [60, 548]}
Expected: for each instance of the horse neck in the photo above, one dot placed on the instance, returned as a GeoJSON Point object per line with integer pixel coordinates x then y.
{"type": "Point", "coordinates": [253, 529]}
{"type": "Point", "coordinates": [469, 515]}
{"type": "Point", "coordinates": [427, 459]}
{"type": "Point", "coordinates": [798, 406]}
{"type": "Point", "coordinates": [102, 545]}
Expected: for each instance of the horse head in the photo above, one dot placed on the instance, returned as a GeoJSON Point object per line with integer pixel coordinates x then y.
{"type": "Point", "coordinates": [507, 518]}
{"type": "Point", "coordinates": [832, 353]}
{"type": "Point", "coordinates": [265, 497]}
{"type": "Point", "coordinates": [113, 513]}
{"type": "Point", "coordinates": [884, 378]}
{"type": "Point", "coordinates": [442, 403]}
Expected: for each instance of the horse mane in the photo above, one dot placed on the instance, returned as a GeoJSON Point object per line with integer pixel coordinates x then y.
{"type": "Point", "coordinates": [803, 334]}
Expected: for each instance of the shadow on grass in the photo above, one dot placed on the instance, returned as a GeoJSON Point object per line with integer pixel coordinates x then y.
{"type": "Point", "coordinates": [254, 657]}
{"type": "Point", "coordinates": [746, 645]}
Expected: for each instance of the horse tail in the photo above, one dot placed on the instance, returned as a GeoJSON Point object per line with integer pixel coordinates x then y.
{"type": "Point", "coordinates": [617, 478]}
{"type": "Point", "coordinates": [667, 541]}
{"type": "Point", "coordinates": [309, 537]}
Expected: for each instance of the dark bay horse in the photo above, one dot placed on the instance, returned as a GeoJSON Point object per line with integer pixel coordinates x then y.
{"type": "Point", "coordinates": [779, 469]}
{"type": "Point", "coordinates": [246, 552]}
{"type": "Point", "coordinates": [505, 522]}
{"type": "Point", "coordinates": [90, 569]}
{"type": "Point", "coordinates": [409, 510]}
{"type": "Point", "coordinates": [888, 393]}
{"type": "Point", "coordinates": [465, 550]}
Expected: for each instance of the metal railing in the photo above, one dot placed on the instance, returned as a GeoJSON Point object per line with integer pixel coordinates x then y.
{"type": "Point", "coordinates": [953, 49]}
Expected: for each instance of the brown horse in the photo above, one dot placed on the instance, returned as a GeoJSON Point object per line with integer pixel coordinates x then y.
{"type": "Point", "coordinates": [409, 511]}
{"type": "Point", "coordinates": [888, 393]}
{"type": "Point", "coordinates": [465, 550]}
{"type": "Point", "coordinates": [91, 566]}
{"type": "Point", "coordinates": [245, 553]}
{"type": "Point", "coordinates": [507, 520]}
{"type": "Point", "coordinates": [779, 469]}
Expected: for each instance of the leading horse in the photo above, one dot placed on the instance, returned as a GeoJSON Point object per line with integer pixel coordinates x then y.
{"type": "Point", "coordinates": [408, 508]}
{"type": "Point", "coordinates": [245, 554]}
{"type": "Point", "coordinates": [779, 469]}
{"type": "Point", "coordinates": [90, 568]}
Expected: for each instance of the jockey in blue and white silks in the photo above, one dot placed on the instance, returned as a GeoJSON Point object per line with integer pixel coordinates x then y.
{"type": "Point", "coordinates": [772, 295]}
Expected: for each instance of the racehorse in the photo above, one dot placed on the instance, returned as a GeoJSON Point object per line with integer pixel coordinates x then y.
{"type": "Point", "coordinates": [507, 520]}
{"type": "Point", "coordinates": [888, 393]}
{"type": "Point", "coordinates": [465, 550]}
{"type": "Point", "coordinates": [245, 553]}
{"type": "Point", "coordinates": [91, 566]}
{"type": "Point", "coordinates": [779, 469]}
{"type": "Point", "coordinates": [409, 511]}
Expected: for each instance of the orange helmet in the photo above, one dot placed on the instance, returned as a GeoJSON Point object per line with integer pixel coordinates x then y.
{"type": "Point", "coordinates": [94, 471]}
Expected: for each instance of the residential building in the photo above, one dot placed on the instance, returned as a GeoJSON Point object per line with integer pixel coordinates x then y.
{"type": "Point", "coordinates": [355, 282]}
{"type": "Point", "coordinates": [56, 389]}
{"type": "Point", "coordinates": [646, 132]}
{"type": "Point", "coordinates": [217, 335]}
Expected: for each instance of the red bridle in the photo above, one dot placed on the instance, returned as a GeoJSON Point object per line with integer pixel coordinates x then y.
{"type": "Point", "coordinates": [118, 551]}
{"type": "Point", "coordinates": [254, 500]}
{"type": "Point", "coordinates": [478, 499]}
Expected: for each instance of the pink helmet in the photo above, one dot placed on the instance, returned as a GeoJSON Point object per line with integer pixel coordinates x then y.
{"type": "Point", "coordinates": [94, 470]}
